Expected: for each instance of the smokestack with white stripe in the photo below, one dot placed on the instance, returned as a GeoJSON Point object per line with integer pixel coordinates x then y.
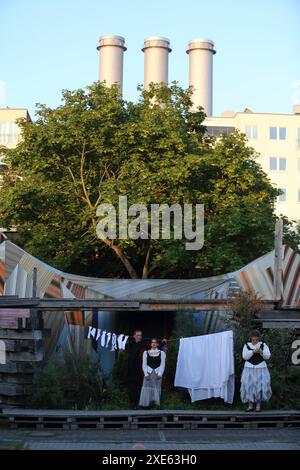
{"type": "Point", "coordinates": [156, 50]}
{"type": "Point", "coordinates": [201, 53]}
{"type": "Point", "coordinates": [111, 55]}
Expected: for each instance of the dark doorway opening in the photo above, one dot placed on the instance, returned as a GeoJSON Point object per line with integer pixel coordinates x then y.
{"type": "Point", "coordinates": [152, 324]}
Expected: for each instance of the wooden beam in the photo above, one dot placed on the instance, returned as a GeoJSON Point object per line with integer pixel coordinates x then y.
{"type": "Point", "coordinates": [281, 324]}
{"type": "Point", "coordinates": [197, 305]}
{"type": "Point", "coordinates": [280, 314]}
{"type": "Point", "coordinates": [57, 305]}
{"type": "Point", "coordinates": [278, 260]}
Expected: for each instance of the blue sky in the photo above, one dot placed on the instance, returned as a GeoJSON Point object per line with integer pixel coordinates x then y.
{"type": "Point", "coordinates": [49, 45]}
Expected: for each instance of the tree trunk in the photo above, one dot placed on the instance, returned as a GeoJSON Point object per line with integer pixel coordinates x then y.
{"type": "Point", "coordinates": [145, 273]}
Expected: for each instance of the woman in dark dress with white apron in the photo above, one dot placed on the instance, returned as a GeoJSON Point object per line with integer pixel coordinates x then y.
{"type": "Point", "coordinates": [153, 367]}
{"type": "Point", "coordinates": [256, 380]}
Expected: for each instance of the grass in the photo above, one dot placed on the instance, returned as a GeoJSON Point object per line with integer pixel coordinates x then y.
{"type": "Point", "coordinates": [117, 399]}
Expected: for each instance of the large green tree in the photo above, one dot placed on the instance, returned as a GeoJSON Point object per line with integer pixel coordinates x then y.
{"type": "Point", "coordinates": [95, 147]}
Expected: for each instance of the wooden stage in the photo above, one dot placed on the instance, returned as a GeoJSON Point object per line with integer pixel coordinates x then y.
{"type": "Point", "coordinates": [155, 419]}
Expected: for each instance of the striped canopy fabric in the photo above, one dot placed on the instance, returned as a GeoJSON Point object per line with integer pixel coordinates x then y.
{"type": "Point", "coordinates": [258, 277]}
{"type": "Point", "coordinates": [16, 276]}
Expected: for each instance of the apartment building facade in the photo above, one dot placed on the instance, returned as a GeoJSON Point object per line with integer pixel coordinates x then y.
{"type": "Point", "coordinates": [276, 137]}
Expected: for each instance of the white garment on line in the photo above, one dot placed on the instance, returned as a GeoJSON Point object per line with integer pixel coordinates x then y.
{"type": "Point", "coordinates": [113, 342]}
{"type": "Point", "coordinates": [91, 332]}
{"type": "Point", "coordinates": [98, 334]}
{"type": "Point", "coordinates": [103, 338]}
{"type": "Point", "coordinates": [117, 341]}
{"type": "Point", "coordinates": [108, 339]}
{"type": "Point", "coordinates": [122, 341]}
{"type": "Point", "coordinates": [205, 365]}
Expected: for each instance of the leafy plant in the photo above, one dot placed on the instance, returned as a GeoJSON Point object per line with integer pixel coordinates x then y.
{"type": "Point", "coordinates": [74, 381]}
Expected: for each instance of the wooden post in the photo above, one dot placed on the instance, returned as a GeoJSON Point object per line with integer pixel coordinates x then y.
{"type": "Point", "coordinates": [278, 259]}
{"type": "Point", "coordinates": [34, 282]}
{"type": "Point", "coordinates": [33, 312]}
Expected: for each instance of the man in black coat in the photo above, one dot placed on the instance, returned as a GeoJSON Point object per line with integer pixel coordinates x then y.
{"type": "Point", "coordinates": [135, 346]}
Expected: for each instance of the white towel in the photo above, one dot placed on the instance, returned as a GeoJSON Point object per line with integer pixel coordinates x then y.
{"type": "Point", "coordinates": [205, 365]}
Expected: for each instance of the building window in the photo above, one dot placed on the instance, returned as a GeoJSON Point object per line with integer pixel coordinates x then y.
{"type": "Point", "coordinates": [8, 133]}
{"type": "Point", "coordinates": [3, 166]}
{"type": "Point", "coordinates": [282, 164]}
{"type": "Point", "coordinates": [278, 163]}
{"type": "Point", "coordinates": [273, 163]}
{"type": "Point", "coordinates": [217, 130]}
{"type": "Point", "coordinates": [277, 133]}
{"type": "Point", "coordinates": [282, 133]}
{"type": "Point", "coordinates": [273, 133]}
{"type": "Point", "coordinates": [251, 132]}
{"type": "Point", "coordinates": [282, 196]}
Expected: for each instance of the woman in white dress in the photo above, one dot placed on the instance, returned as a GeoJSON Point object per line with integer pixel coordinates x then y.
{"type": "Point", "coordinates": [153, 367]}
{"type": "Point", "coordinates": [256, 380]}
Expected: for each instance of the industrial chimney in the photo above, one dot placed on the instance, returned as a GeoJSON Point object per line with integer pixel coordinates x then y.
{"type": "Point", "coordinates": [111, 51]}
{"type": "Point", "coordinates": [156, 51]}
{"type": "Point", "coordinates": [201, 53]}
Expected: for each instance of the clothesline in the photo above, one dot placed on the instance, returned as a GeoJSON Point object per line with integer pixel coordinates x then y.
{"type": "Point", "coordinates": [115, 341]}
{"type": "Point", "coordinates": [177, 339]}
{"type": "Point", "coordinates": [161, 339]}
{"type": "Point", "coordinates": [173, 339]}
{"type": "Point", "coordinates": [108, 339]}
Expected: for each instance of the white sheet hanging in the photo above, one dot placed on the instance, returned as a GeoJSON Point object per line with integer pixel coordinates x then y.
{"type": "Point", "coordinates": [205, 365]}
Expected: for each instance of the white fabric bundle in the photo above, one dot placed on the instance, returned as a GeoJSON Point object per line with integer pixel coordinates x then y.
{"type": "Point", "coordinates": [205, 365]}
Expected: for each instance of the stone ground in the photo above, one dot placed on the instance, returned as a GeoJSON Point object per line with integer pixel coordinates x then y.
{"type": "Point", "coordinates": [151, 439]}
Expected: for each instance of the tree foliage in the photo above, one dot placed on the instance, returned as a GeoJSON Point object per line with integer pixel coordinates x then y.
{"type": "Point", "coordinates": [95, 147]}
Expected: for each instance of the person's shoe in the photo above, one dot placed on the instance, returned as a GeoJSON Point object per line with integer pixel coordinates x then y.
{"type": "Point", "coordinates": [257, 408]}
{"type": "Point", "coordinates": [250, 408]}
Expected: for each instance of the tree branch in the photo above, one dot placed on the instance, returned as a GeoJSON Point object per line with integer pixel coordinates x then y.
{"type": "Point", "coordinates": [145, 273]}
{"type": "Point", "coordinates": [152, 268]}
{"type": "Point", "coordinates": [87, 198]}
{"type": "Point", "coordinates": [105, 173]}
{"type": "Point", "coordinates": [61, 157]}
{"type": "Point", "coordinates": [119, 252]}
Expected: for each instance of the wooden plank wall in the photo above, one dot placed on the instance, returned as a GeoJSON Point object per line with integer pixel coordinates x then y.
{"type": "Point", "coordinates": [23, 353]}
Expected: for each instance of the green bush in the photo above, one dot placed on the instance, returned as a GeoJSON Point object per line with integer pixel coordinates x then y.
{"type": "Point", "coordinates": [48, 389]}
{"type": "Point", "coordinates": [74, 381]}
{"type": "Point", "coordinates": [119, 373]}
{"type": "Point", "coordinates": [116, 397]}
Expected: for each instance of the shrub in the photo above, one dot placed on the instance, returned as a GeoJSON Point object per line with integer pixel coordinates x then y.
{"type": "Point", "coordinates": [48, 389]}
{"type": "Point", "coordinates": [74, 381]}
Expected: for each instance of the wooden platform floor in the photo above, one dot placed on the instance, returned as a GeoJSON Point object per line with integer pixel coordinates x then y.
{"type": "Point", "coordinates": [157, 419]}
